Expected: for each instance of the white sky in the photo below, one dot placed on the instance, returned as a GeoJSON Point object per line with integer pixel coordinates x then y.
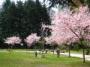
{"type": "Point", "coordinates": [1, 1]}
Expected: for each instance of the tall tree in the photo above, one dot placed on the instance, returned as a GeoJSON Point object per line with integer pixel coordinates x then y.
{"type": "Point", "coordinates": [22, 19]}
{"type": "Point", "coordinates": [75, 26]}
{"type": "Point", "coordinates": [8, 18]}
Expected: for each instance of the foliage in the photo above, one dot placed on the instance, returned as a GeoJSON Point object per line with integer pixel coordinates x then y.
{"type": "Point", "coordinates": [22, 19]}
{"type": "Point", "coordinates": [71, 27]}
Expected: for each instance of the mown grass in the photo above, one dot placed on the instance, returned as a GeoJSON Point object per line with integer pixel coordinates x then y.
{"type": "Point", "coordinates": [24, 59]}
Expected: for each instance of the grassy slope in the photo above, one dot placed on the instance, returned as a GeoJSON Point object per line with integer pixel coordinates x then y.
{"type": "Point", "coordinates": [14, 59]}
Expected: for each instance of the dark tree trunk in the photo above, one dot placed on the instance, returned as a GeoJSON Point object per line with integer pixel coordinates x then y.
{"type": "Point", "coordinates": [83, 55]}
{"type": "Point", "coordinates": [58, 52]}
{"type": "Point", "coordinates": [83, 51]}
{"type": "Point", "coordinates": [69, 51]}
{"type": "Point", "coordinates": [36, 54]}
{"type": "Point", "coordinates": [87, 52]}
{"type": "Point", "coordinates": [10, 47]}
{"type": "Point", "coordinates": [43, 49]}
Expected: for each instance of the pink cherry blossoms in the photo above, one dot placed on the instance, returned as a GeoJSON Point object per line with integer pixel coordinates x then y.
{"type": "Point", "coordinates": [32, 38]}
{"type": "Point", "coordinates": [13, 40]}
{"type": "Point", "coordinates": [69, 26]}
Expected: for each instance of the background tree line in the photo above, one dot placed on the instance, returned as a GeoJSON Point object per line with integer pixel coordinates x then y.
{"type": "Point", "coordinates": [22, 19]}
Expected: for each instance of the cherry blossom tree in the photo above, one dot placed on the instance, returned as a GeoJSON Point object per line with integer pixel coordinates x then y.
{"type": "Point", "coordinates": [12, 40]}
{"type": "Point", "coordinates": [31, 39]}
{"type": "Point", "coordinates": [70, 26]}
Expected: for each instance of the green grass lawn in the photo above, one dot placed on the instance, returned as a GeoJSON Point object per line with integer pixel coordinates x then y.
{"type": "Point", "coordinates": [22, 59]}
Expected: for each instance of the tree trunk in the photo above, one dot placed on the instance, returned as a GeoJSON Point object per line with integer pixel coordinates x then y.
{"type": "Point", "coordinates": [43, 55]}
{"type": "Point", "coordinates": [87, 52]}
{"type": "Point", "coordinates": [69, 51]}
{"type": "Point", "coordinates": [53, 51]}
{"type": "Point", "coordinates": [83, 55]}
{"type": "Point", "coordinates": [36, 51]}
{"type": "Point", "coordinates": [36, 54]}
{"type": "Point", "coordinates": [83, 51]}
{"type": "Point", "coordinates": [58, 52]}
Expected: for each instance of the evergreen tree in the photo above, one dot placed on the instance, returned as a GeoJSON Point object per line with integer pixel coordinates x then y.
{"type": "Point", "coordinates": [22, 19]}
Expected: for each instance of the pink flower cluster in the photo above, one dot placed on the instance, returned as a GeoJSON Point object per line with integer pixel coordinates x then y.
{"type": "Point", "coordinates": [13, 40]}
{"type": "Point", "coordinates": [32, 38]}
{"type": "Point", "coordinates": [69, 26]}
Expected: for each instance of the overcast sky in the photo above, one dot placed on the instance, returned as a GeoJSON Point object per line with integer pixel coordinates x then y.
{"type": "Point", "coordinates": [1, 1]}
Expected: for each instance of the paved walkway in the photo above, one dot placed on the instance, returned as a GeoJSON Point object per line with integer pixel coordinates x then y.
{"type": "Point", "coordinates": [87, 57]}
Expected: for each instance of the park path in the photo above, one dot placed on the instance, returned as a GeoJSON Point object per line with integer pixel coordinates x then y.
{"type": "Point", "coordinates": [87, 57]}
